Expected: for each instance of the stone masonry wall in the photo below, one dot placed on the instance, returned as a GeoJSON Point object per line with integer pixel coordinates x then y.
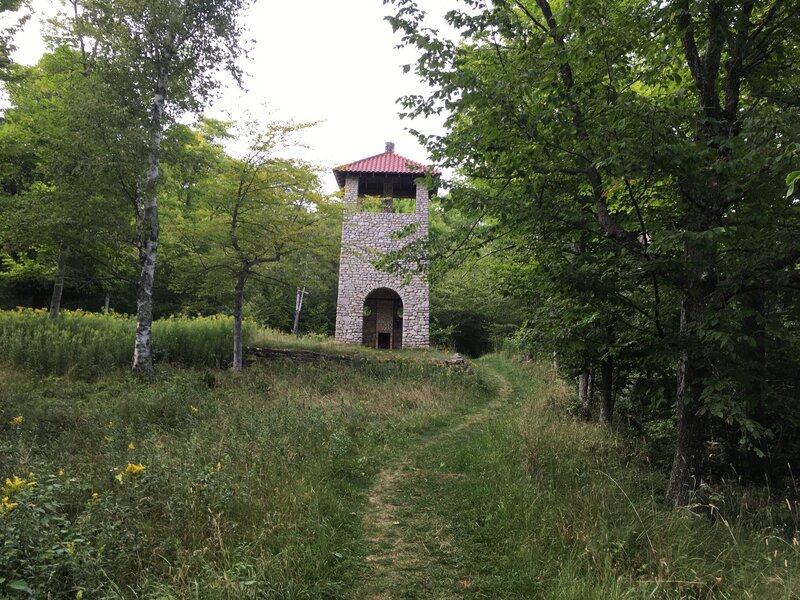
{"type": "Point", "coordinates": [364, 235]}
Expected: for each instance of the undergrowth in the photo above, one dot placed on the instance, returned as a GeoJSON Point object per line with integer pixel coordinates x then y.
{"type": "Point", "coordinates": [204, 484]}
{"type": "Point", "coordinates": [551, 507]}
{"type": "Point", "coordinates": [87, 344]}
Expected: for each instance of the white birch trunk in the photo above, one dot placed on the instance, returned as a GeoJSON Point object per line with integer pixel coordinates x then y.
{"type": "Point", "coordinates": [149, 231]}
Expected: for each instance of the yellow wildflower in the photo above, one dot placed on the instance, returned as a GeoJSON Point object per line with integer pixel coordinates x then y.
{"type": "Point", "coordinates": [14, 484]}
{"type": "Point", "coordinates": [17, 421]}
{"type": "Point", "coordinates": [5, 504]}
{"type": "Point", "coordinates": [134, 469]}
{"type": "Point", "coordinates": [95, 495]}
{"type": "Point", "coordinates": [194, 409]}
{"type": "Point", "coordinates": [61, 472]}
{"type": "Point", "coordinates": [219, 466]}
{"type": "Point", "coordinates": [131, 446]}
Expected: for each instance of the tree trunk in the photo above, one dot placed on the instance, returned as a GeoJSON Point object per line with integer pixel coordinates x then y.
{"type": "Point", "coordinates": [58, 284]}
{"type": "Point", "coordinates": [691, 416]}
{"type": "Point", "coordinates": [585, 391]}
{"type": "Point", "coordinates": [296, 324]}
{"type": "Point", "coordinates": [298, 306]}
{"type": "Point", "coordinates": [149, 231]}
{"type": "Point", "coordinates": [238, 302]}
{"type": "Point", "coordinates": [607, 390]}
{"type": "Point", "coordinates": [689, 459]}
{"type": "Point", "coordinates": [107, 303]}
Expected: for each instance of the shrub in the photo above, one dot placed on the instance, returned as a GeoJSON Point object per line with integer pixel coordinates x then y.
{"type": "Point", "coordinates": [86, 344]}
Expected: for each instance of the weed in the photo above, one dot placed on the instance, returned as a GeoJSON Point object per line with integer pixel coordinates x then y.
{"type": "Point", "coordinates": [567, 513]}
{"type": "Point", "coordinates": [243, 488]}
{"type": "Point", "coordinates": [87, 344]}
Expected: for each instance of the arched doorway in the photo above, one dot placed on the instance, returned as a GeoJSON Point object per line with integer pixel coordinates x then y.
{"type": "Point", "coordinates": [383, 319]}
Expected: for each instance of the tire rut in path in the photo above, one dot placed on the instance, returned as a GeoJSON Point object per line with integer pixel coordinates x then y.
{"type": "Point", "coordinates": [406, 542]}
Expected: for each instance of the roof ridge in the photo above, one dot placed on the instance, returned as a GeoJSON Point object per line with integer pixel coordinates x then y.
{"type": "Point", "coordinates": [385, 163]}
{"type": "Point", "coordinates": [361, 160]}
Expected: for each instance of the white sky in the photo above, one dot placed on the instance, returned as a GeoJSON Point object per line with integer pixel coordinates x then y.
{"type": "Point", "coordinates": [316, 60]}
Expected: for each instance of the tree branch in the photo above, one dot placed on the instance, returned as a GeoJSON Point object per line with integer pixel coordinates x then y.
{"type": "Point", "coordinates": [604, 218]}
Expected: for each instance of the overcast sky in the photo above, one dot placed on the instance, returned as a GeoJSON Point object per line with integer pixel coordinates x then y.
{"type": "Point", "coordinates": [316, 60]}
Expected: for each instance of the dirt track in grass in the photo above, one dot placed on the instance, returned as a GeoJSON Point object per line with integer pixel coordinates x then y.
{"type": "Point", "coordinates": [410, 552]}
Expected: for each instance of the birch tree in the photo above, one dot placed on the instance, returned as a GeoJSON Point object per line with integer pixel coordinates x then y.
{"type": "Point", "coordinates": [168, 53]}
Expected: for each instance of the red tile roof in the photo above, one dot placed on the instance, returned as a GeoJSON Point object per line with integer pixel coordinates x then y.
{"type": "Point", "coordinates": [387, 163]}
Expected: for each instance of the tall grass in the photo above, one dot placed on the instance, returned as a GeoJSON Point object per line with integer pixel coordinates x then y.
{"type": "Point", "coordinates": [86, 344]}
{"type": "Point", "coordinates": [571, 511]}
{"type": "Point", "coordinates": [271, 338]}
{"type": "Point", "coordinates": [251, 487]}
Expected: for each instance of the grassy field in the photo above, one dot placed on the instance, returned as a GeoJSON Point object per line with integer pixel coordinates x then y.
{"type": "Point", "coordinates": [269, 338]}
{"type": "Point", "coordinates": [205, 481]}
{"type": "Point", "coordinates": [85, 344]}
{"type": "Point", "coordinates": [527, 503]}
{"type": "Point", "coordinates": [377, 479]}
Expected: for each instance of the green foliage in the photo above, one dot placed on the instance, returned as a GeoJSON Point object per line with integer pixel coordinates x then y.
{"type": "Point", "coordinates": [238, 486]}
{"type": "Point", "coordinates": [639, 187]}
{"type": "Point", "coordinates": [66, 201]}
{"type": "Point", "coordinates": [471, 309]}
{"type": "Point", "coordinates": [245, 216]}
{"type": "Point", "coordinates": [378, 204]}
{"type": "Point", "coordinates": [7, 34]}
{"type": "Point", "coordinates": [189, 42]}
{"type": "Point", "coordinates": [539, 505]}
{"type": "Point", "coordinates": [55, 156]}
{"type": "Point", "coordinates": [196, 341]}
{"type": "Point", "coordinates": [89, 344]}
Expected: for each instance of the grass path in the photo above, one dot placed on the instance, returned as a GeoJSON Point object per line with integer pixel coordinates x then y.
{"type": "Point", "coordinates": [518, 501]}
{"type": "Point", "coordinates": [411, 553]}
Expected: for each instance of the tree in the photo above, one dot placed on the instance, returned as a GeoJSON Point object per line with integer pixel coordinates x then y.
{"type": "Point", "coordinates": [248, 215]}
{"type": "Point", "coordinates": [167, 54]}
{"type": "Point", "coordinates": [473, 308]}
{"type": "Point", "coordinates": [7, 35]}
{"type": "Point", "coordinates": [668, 124]}
{"type": "Point", "coordinates": [63, 205]}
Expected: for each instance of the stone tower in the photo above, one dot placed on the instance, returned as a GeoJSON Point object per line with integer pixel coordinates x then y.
{"type": "Point", "coordinates": [383, 194]}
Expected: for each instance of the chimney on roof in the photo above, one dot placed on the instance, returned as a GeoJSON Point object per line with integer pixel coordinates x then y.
{"type": "Point", "coordinates": [390, 147]}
